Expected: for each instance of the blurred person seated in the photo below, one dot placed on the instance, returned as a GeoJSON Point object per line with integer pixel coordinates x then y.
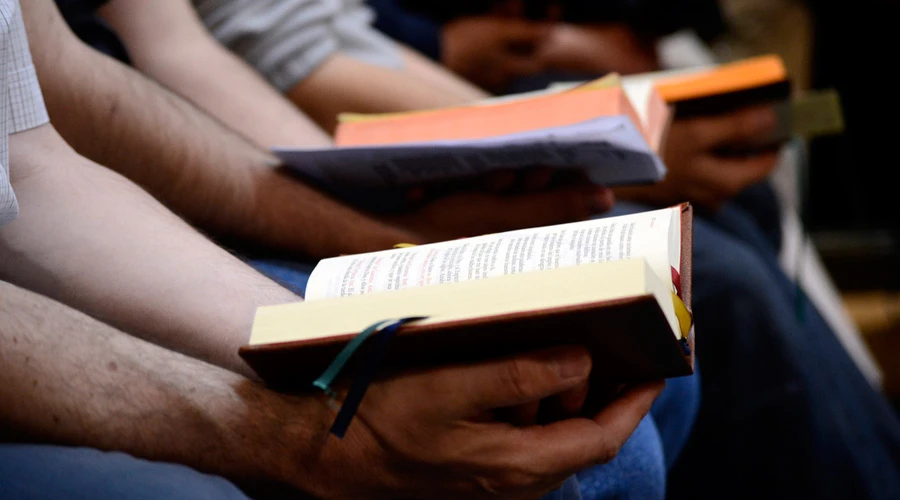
{"type": "Point", "coordinates": [496, 44]}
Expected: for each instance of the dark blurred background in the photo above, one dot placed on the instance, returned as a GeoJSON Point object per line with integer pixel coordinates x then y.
{"type": "Point", "coordinates": [853, 204]}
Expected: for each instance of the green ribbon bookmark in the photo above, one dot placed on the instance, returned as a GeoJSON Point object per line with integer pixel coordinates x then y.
{"type": "Point", "coordinates": [382, 332]}
{"type": "Point", "coordinates": [334, 369]}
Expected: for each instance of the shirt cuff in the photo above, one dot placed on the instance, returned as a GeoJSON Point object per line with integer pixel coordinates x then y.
{"type": "Point", "coordinates": [27, 108]}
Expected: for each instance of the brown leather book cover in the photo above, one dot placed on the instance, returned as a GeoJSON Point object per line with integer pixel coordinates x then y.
{"type": "Point", "coordinates": [629, 339]}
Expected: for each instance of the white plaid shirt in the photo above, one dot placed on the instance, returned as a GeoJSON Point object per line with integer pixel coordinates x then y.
{"type": "Point", "coordinates": [21, 104]}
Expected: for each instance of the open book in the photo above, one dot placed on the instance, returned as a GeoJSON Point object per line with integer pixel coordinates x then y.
{"type": "Point", "coordinates": [620, 286]}
{"type": "Point", "coordinates": [594, 127]}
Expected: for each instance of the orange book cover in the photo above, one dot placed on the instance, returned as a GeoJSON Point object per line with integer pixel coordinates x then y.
{"type": "Point", "coordinates": [477, 122]}
{"type": "Point", "coordinates": [728, 78]}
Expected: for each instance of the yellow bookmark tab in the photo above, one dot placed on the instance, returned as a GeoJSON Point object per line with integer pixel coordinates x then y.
{"type": "Point", "coordinates": [404, 245]}
{"type": "Point", "coordinates": [685, 319]}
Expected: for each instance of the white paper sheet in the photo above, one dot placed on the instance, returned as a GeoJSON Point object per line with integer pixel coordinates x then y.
{"type": "Point", "coordinates": [653, 235]}
{"type": "Point", "coordinates": [610, 150]}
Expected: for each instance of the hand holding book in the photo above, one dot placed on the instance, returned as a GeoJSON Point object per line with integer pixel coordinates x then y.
{"type": "Point", "coordinates": [616, 130]}
{"type": "Point", "coordinates": [711, 159]}
{"type": "Point", "coordinates": [438, 432]}
{"type": "Point", "coordinates": [469, 213]}
{"type": "Point", "coordinates": [595, 129]}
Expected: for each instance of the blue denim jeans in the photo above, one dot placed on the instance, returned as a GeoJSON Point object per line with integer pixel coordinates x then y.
{"type": "Point", "coordinates": [34, 472]}
{"type": "Point", "coordinates": [641, 467]}
{"type": "Point", "coordinates": [638, 471]}
{"type": "Point", "coordinates": [37, 472]}
{"type": "Point", "coordinates": [785, 412]}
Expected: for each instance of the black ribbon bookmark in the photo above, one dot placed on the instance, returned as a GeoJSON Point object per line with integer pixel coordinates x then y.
{"type": "Point", "coordinates": [381, 332]}
{"type": "Point", "coordinates": [685, 347]}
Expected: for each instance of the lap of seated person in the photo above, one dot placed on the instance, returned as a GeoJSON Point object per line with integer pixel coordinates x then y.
{"type": "Point", "coordinates": [41, 472]}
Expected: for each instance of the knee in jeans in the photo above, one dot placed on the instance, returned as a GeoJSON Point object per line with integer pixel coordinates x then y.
{"type": "Point", "coordinates": [726, 268]}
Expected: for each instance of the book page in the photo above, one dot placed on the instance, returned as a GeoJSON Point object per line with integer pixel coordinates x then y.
{"type": "Point", "coordinates": [610, 150]}
{"type": "Point", "coordinates": [653, 235]}
{"type": "Point", "coordinates": [462, 301]}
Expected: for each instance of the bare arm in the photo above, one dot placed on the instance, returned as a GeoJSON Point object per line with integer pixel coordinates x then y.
{"type": "Point", "coordinates": [67, 379]}
{"type": "Point", "coordinates": [335, 87]}
{"type": "Point", "coordinates": [89, 238]}
{"type": "Point", "coordinates": [202, 170]}
{"type": "Point", "coordinates": [167, 42]}
{"type": "Point", "coordinates": [225, 185]}
{"type": "Point", "coordinates": [438, 77]}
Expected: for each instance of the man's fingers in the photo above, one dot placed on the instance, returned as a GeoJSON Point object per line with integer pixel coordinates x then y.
{"type": "Point", "coordinates": [746, 127]}
{"type": "Point", "coordinates": [415, 194]}
{"type": "Point", "coordinates": [572, 445]}
{"type": "Point", "coordinates": [519, 380]}
{"type": "Point", "coordinates": [523, 415]}
{"type": "Point", "coordinates": [519, 66]}
{"type": "Point", "coordinates": [602, 199]}
{"type": "Point", "coordinates": [733, 175]}
{"type": "Point", "coordinates": [522, 31]}
{"type": "Point", "coordinates": [560, 205]}
{"type": "Point", "coordinates": [571, 401]}
{"type": "Point", "coordinates": [475, 213]}
{"type": "Point", "coordinates": [499, 181]}
{"type": "Point", "coordinates": [562, 406]}
{"type": "Point", "coordinates": [621, 417]}
{"type": "Point", "coordinates": [537, 179]}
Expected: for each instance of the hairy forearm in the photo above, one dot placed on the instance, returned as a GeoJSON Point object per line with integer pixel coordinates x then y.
{"type": "Point", "coordinates": [335, 88]}
{"type": "Point", "coordinates": [213, 177]}
{"type": "Point", "coordinates": [228, 90]}
{"type": "Point", "coordinates": [91, 239]}
{"type": "Point", "coordinates": [68, 379]}
{"type": "Point", "coordinates": [439, 77]}
{"type": "Point", "coordinates": [167, 42]}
